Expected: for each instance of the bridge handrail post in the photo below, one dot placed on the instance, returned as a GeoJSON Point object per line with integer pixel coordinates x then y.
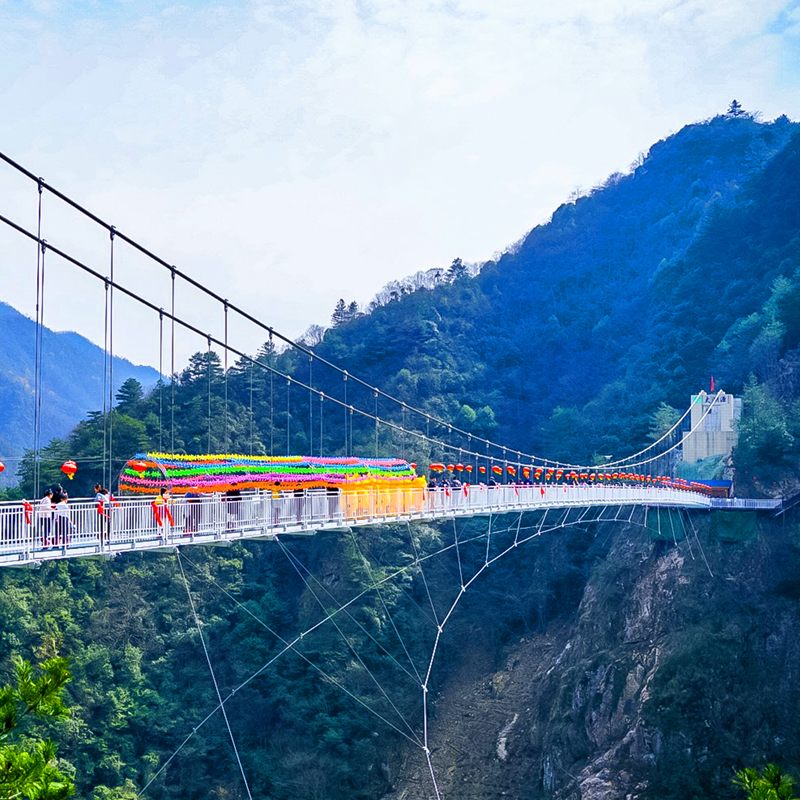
{"type": "Point", "coordinates": [27, 540]}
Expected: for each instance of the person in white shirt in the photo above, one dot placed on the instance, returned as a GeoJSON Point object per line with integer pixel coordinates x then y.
{"type": "Point", "coordinates": [102, 499]}
{"type": "Point", "coordinates": [44, 517]}
{"type": "Point", "coordinates": [62, 521]}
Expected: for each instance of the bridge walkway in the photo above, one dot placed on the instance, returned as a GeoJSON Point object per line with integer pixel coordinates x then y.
{"type": "Point", "coordinates": [28, 536]}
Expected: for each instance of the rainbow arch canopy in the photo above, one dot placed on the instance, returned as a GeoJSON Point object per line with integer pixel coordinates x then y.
{"type": "Point", "coordinates": [147, 473]}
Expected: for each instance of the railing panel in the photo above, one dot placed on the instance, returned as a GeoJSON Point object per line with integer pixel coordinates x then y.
{"type": "Point", "coordinates": [29, 533]}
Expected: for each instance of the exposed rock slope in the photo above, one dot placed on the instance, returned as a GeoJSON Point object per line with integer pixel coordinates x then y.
{"type": "Point", "coordinates": [672, 671]}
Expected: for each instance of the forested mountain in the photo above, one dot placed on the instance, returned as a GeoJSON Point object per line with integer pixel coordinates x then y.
{"type": "Point", "coordinates": [601, 661]}
{"type": "Point", "coordinates": [631, 296]}
{"type": "Point", "coordinates": [72, 378]}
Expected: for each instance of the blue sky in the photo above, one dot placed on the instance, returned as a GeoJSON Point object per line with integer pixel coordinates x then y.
{"type": "Point", "coordinates": [291, 153]}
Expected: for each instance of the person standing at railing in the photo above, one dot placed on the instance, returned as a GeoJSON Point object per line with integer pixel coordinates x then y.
{"type": "Point", "coordinates": [333, 501]}
{"type": "Point", "coordinates": [299, 501]}
{"type": "Point", "coordinates": [63, 524]}
{"type": "Point", "coordinates": [275, 503]}
{"type": "Point", "coordinates": [232, 499]}
{"type": "Point", "coordinates": [161, 508]}
{"type": "Point", "coordinates": [101, 499]}
{"type": "Point", "coordinates": [192, 513]}
{"type": "Point", "coordinates": [44, 518]}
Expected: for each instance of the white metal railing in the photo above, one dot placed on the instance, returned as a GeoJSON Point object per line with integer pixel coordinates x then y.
{"type": "Point", "coordinates": [29, 534]}
{"type": "Point", "coordinates": [743, 504]}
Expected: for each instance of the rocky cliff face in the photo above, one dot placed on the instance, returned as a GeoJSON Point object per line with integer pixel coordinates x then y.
{"type": "Point", "coordinates": [680, 663]}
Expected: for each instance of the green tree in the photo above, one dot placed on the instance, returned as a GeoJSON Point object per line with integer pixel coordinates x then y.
{"type": "Point", "coordinates": [662, 420]}
{"type": "Point", "coordinates": [339, 313]}
{"type": "Point", "coordinates": [456, 270]}
{"type": "Point", "coordinates": [735, 109]}
{"type": "Point", "coordinates": [28, 767]}
{"type": "Point", "coordinates": [51, 457]}
{"type": "Point", "coordinates": [772, 783]}
{"type": "Point", "coordinates": [129, 397]}
{"type": "Point", "coordinates": [764, 446]}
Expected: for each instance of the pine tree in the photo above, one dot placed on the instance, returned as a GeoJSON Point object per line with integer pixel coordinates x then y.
{"type": "Point", "coordinates": [456, 270]}
{"type": "Point", "coordinates": [199, 366]}
{"type": "Point", "coordinates": [28, 766]}
{"type": "Point", "coordinates": [129, 397]}
{"type": "Point", "coordinates": [735, 109]}
{"type": "Point", "coordinates": [339, 313]}
{"type": "Point", "coordinates": [772, 783]}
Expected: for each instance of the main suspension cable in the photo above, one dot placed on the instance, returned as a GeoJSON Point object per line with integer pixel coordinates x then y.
{"type": "Point", "coordinates": [244, 314]}
{"type": "Point", "coordinates": [446, 446]}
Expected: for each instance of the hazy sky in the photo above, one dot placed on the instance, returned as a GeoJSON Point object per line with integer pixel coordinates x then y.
{"type": "Point", "coordinates": [291, 153]}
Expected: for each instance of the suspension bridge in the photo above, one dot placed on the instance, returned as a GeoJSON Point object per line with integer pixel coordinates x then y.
{"type": "Point", "coordinates": [30, 536]}
{"type": "Point", "coordinates": [129, 523]}
{"type": "Point", "coordinates": [33, 533]}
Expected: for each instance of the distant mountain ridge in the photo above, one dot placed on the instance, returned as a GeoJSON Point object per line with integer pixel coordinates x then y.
{"type": "Point", "coordinates": [71, 390]}
{"type": "Point", "coordinates": [629, 297]}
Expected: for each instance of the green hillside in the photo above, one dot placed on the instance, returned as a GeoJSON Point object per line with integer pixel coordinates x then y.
{"type": "Point", "coordinates": [629, 298]}
{"type": "Point", "coordinates": [665, 663]}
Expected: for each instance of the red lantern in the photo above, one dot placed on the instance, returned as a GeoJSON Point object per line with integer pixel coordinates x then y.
{"type": "Point", "coordinates": [451, 467]}
{"type": "Point", "coordinates": [459, 467]}
{"type": "Point", "coordinates": [481, 469]}
{"type": "Point", "coordinates": [497, 470]}
{"type": "Point", "coordinates": [413, 465]}
{"type": "Point", "coordinates": [2, 466]}
{"type": "Point", "coordinates": [436, 467]}
{"type": "Point", "coordinates": [69, 468]}
{"type": "Point", "coordinates": [468, 468]}
{"type": "Point", "coordinates": [138, 466]}
{"type": "Point", "coordinates": [512, 470]}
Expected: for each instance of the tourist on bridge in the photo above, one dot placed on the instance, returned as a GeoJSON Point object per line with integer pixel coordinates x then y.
{"type": "Point", "coordinates": [193, 501]}
{"type": "Point", "coordinates": [232, 500]}
{"type": "Point", "coordinates": [101, 499]}
{"type": "Point", "coordinates": [299, 504]}
{"type": "Point", "coordinates": [161, 509]}
{"type": "Point", "coordinates": [63, 524]}
{"type": "Point", "coordinates": [333, 501]}
{"type": "Point", "coordinates": [44, 517]}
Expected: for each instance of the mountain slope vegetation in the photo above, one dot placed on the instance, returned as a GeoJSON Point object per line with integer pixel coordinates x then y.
{"type": "Point", "coordinates": [631, 296]}
{"type": "Point", "coordinates": [653, 649]}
